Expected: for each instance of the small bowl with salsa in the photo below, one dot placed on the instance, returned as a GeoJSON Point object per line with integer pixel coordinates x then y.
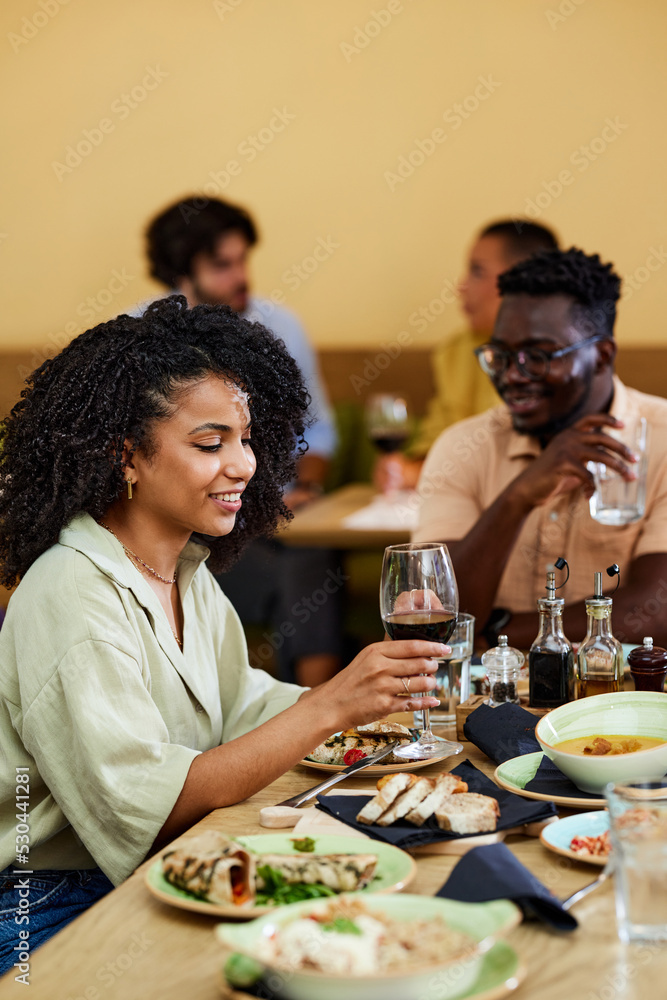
{"type": "Point", "coordinates": [608, 737]}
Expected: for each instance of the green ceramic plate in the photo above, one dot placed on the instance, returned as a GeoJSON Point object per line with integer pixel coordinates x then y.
{"type": "Point", "coordinates": [500, 973]}
{"type": "Point", "coordinates": [515, 774]}
{"type": "Point", "coordinates": [395, 870]}
{"type": "Point", "coordinates": [488, 974]}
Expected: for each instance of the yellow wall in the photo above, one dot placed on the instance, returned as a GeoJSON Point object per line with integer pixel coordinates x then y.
{"type": "Point", "coordinates": [556, 72]}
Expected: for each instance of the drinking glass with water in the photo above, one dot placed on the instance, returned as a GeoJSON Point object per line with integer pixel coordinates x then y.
{"type": "Point", "coordinates": [638, 820]}
{"type": "Point", "coordinates": [617, 501]}
{"type": "Point", "coordinates": [453, 676]}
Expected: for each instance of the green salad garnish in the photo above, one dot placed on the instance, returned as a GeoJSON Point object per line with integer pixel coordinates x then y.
{"type": "Point", "coordinates": [342, 925]}
{"type": "Point", "coordinates": [304, 844]}
{"type": "Point", "coordinates": [276, 889]}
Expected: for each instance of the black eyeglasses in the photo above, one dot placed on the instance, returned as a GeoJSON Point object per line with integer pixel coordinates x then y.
{"type": "Point", "coordinates": [532, 362]}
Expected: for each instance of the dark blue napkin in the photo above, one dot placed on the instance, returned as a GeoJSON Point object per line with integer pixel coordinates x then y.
{"type": "Point", "coordinates": [514, 811]}
{"type": "Point", "coordinates": [550, 780]}
{"type": "Point", "coordinates": [503, 732]}
{"type": "Point", "coordinates": [509, 731]}
{"type": "Point", "coordinates": [492, 872]}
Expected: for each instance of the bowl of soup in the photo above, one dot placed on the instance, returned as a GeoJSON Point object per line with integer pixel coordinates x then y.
{"type": "Point", "coordinates": [608, 737]}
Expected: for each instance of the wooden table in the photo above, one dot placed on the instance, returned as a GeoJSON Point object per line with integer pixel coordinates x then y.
{"type": "Point", "coordinates": [133, 947]}
{"type": "Point", "coordinates": [320, 523]}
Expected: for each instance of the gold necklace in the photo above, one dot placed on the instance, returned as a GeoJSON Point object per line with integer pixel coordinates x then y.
{"type": "Point", "coordinates": [133, 555]}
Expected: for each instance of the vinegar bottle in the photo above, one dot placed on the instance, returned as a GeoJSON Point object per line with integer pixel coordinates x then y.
{"type": "Point", "coordinates": [600, 654]}
{"type": "Point", "coordinates": [551, 661]}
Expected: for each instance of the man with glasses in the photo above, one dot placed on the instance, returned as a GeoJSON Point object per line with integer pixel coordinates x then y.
{"type": "Point", "coordinates": [508, 490]}
{"type": "Point", "coordinates": [461, 388]}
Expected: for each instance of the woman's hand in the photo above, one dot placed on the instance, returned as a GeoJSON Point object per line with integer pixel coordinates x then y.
{"type": "Point", "coordinates": [372, 686]}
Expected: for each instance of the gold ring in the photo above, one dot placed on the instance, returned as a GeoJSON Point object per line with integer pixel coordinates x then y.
{"type": "Point", "coordinates": [406, 684]}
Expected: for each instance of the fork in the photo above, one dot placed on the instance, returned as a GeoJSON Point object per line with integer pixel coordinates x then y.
{"type": "Point", "coordinates": [576, 896]}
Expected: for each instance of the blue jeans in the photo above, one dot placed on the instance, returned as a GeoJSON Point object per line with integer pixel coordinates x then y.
{"type": "Point", "coordinates": [40, 905]}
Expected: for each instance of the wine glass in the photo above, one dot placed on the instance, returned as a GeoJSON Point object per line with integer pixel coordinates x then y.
{"type": "Point", "coordinates": [387, 422]}
{"type": "Point", "coordinates": [419, 599]}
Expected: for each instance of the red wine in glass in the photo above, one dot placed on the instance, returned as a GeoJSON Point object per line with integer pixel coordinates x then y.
{"type": "Point", "coordinates": [419, 600]}
{"type": "Point", "coordinates": [389, 441]}
{"type": "Point", "coordinates": [434, 626]}
{"type": "Point", "coordinates": [387, 422]}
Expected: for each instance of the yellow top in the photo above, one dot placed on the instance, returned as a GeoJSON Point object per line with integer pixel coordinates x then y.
{"type": "Point", "coordinates": [100, 705]}
{"type": "Point", "coordinates": [462, 389]}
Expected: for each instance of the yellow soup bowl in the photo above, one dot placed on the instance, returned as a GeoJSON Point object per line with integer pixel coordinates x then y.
{"type": "Point", "coordinates": [628, 713]}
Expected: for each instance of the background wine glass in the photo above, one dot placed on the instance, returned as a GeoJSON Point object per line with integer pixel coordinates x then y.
{"type": "Point", "coordinates": [387, 422]}
{"type": "Point", "coordinates": [419, 600]}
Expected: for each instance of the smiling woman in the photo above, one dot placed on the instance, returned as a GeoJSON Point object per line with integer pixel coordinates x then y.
{"type": "Point", "coordinates": [147, 447]}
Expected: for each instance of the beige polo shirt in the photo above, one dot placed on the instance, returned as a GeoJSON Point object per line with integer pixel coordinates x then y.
{"type": "Point", "coordinates": [472, 462]}
{"type": "Point", "coordinates": [103, 708]}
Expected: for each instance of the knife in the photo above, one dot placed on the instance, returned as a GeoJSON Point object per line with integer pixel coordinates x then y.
{"type": "Point", "coordinates": [298, 800]}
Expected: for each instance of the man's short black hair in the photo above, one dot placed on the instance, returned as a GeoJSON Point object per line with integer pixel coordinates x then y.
{"type": "Point", "coordinates": [521, 237]}
{"type": "Point", "coordinates": [189, 227]}
{"type": "Point", "coordinates": [594, 286]}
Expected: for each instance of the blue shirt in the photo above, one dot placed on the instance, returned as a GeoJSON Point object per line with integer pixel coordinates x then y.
{"type": "Point", "coordinates": [321, 435]}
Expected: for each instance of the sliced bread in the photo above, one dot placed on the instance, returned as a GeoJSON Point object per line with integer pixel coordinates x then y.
{"type": "Point", "coordinates": [468, 812]}
{"type": "Point", "coordinates": [407, 800]}
{"type": "Point", "coordinates": [445, 785]}
{"type": "Point", "coordinates": [391, 789]}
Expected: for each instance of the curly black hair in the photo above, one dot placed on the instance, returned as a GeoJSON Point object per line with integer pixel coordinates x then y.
{"type": "Point", "coordinates": [62, 443]}
{"type": "Point", "coordinates": [594, 287]}
{"type": "Point", "coordinates": [188, 227]}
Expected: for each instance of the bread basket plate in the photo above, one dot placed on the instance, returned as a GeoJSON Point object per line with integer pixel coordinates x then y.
{"type": "Point", "coordinates": [395, 870]}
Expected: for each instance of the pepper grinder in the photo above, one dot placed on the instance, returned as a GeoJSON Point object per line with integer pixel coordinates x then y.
{"type": "Point", "coordinates": [648, 666]}
{"type": "Point", "coordinates": [502, 664]}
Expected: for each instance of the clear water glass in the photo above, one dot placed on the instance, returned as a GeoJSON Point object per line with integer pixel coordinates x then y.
{"type": "Point", "coordinates": [638, 824]}
{"type": "Point", "coordinates": [615, 500]}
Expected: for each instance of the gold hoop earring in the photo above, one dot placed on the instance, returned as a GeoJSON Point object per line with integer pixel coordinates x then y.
{"type": "Point", "coordinates": [129, 489]}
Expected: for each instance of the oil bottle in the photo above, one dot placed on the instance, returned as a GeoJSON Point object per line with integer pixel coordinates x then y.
{"type": "Point", "coordinates": [600, 654]}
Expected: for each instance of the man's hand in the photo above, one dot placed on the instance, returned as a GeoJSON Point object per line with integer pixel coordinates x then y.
{"type": "Point", "coordinates": [396, 472]}
{"type": "Point", "coordinates": [562, 465]}
{"type": "Point", "coordinates": [417, 600]}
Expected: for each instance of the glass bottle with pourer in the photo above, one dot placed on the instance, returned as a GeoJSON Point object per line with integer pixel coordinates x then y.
{"type": "Point", "coordinates": [600, 654]}
{"type": "Point", "coordinates": [551, 660]}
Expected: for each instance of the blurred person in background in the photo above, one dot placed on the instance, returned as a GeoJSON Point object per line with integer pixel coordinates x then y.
{"type": "Point", "coordinates": [200, 247]}
{"type": "Point", "coordinates": [462, 389]}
